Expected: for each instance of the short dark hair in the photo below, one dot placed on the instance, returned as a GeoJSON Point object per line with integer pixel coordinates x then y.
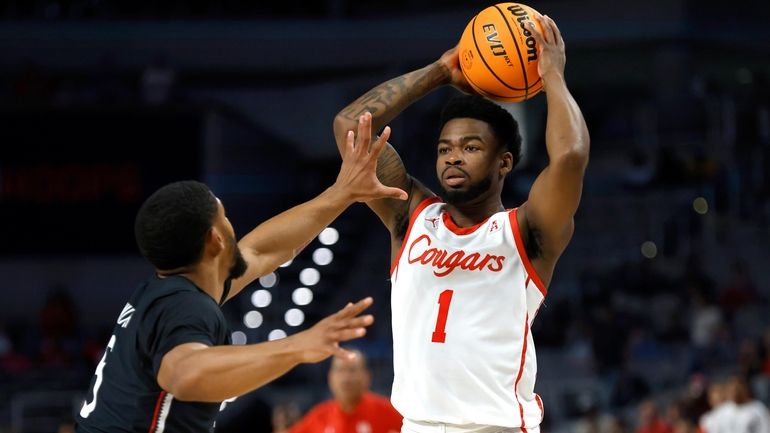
{"type": "Point", "coordinates": [504, 126]}
{"type": "Point", "coordinates": [171, 225]}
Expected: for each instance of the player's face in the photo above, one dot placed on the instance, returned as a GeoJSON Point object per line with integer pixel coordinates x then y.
{"type": "Point", "coordinates": [467, 160]}
{"type": "Point", "coordinates": [238, 265]}
{"type": "Point", "coordinates": [348, 380]}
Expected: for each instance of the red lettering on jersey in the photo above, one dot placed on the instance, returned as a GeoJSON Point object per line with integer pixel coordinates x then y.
{"type": "Point", "coordinates": [498, 262]}
{"type": "Point", "coordinates": [469, 262]}
{"type": "Point", "coordinates": [444, 262]}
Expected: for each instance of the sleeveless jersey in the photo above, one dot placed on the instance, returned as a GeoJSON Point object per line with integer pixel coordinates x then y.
{"type": "Point", "coordinates": [463, 300]}
{"type": "Point", "coordinates": [124, 395]}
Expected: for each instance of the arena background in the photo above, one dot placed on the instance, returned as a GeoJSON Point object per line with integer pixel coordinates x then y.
{"type": "Point", "coordinates": [663, 289]}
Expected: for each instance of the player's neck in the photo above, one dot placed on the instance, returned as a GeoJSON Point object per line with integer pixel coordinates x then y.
{"type": "Point", "coordinates": [470, 214]}
{"type": "Point", "coordinates": [207, 277]}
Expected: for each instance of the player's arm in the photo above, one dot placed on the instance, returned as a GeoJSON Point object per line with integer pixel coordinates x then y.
{"type": "Point", "coordinates": [385, 102]}
{"type": "Point", "coordinates": [197, 372]}
{"type": "Point", "coordinates": [280, 238]}
{"type": "Point", "coordinates": [555, 194]}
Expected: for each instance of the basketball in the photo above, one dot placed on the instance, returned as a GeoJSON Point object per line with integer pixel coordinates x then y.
{"type": "Point", "coordinates": [499, 54]}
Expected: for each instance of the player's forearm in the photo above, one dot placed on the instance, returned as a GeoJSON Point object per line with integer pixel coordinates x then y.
{"type": "Point", "coordinates": [217, 373]}
{"type": "Point", "coordinates": [280, 238]}
{"type": "Point", "coordinates": [390, 98]}
{"type": "Point", "coordinates": [566, 133]}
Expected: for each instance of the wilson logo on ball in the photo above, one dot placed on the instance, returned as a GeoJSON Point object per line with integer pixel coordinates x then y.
{"type": "Point", "coordinates": [522, 17]}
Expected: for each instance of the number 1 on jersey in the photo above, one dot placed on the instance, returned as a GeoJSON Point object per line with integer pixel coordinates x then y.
{"type": "Point", "coordinates": [444, 299]}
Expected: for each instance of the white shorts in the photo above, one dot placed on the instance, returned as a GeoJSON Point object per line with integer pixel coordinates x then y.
{"type": "Point", "coordinates": [410, 426]}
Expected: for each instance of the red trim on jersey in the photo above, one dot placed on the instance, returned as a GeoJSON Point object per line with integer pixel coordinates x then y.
{"type": "Point", "coordinates": [454, 228]}
{"type": "Point", "coordinates": [420, 207]}
{"type": "Point", "coordinates": [523, 254]}
{"type": "Point", "coordinates": [155, 416]}
{"type": "Point", "coordinates": [540, 405]}
{"type": "Point", "coordinates": [521, 371]}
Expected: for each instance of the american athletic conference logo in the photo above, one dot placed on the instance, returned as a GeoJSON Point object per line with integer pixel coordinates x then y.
{"type": "Point", "coordinates": [444, 262]}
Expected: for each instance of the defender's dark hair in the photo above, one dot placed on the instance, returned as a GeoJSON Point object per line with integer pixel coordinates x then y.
{"type": "Point", "coordinates": [504, 126]}
{"type": "Point", "coordinates": [172, 223]}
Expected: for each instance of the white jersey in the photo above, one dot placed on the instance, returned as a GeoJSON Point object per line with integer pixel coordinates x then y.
{"type": "Point", "coordinates": [463, 301]}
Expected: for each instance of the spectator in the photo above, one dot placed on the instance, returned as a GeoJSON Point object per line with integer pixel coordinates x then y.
{"type": "Point", "coordinates": [650, 420]}
{"type": "Point", "coordinates": [717, 419]}
{"type": "Point", "coordinates": [354, 408]}
{"type": "Point", "coordinates": [705, 321]}
{"type": "Point", "coordinates": [750, 416]}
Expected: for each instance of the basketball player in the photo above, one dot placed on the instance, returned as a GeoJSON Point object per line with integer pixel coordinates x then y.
{"type": "Point", "coordinates": [468, 276]}
{"type": "Point", "coordinates": [167, 365]}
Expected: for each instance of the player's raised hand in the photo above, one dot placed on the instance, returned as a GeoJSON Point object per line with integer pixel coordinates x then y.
{"type": "Point", "coordinates": [551, 56]}
{"type": "Point", "coordinates": [358, 174]}
{"type": "Point", "coordinates": [450, 62]}
{"type": "Point", "coordinates": [322, 340]}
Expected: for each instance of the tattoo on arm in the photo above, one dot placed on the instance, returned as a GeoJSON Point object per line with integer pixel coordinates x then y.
{"type": "Point", "coordinates": [375, 100]}
{"type": "Point", "coordinates": [392, 97]}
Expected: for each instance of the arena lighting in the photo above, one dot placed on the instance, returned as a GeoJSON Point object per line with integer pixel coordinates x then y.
{"type": "Point", "coordinates": [261, 298]}
{"type": "Point", "coordinates": [329, 236]}
{"type": "Point", "coordinates": [302, 296]}
{"type": "Point", "coordinates": [309, 276]}
{"type": "Point", "coordinates": [649, 249]}
{"type": "Point", "coordinates": [294, 317]}
{"type": "Point", "coordinates": [276, 334]}
{"type": "Point", "coordinates": [323, 256]}
{"type": "Point", "coordinates": [268, 280]}
{"type": "Point", "coordinates": [700, 205]}
{"type": "Point", "coordinates": [252, 319]}
{"type": "Point", "coordinates": [238, 337]}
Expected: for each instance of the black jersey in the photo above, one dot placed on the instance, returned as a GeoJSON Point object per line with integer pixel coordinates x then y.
{"type": "Point", "coordinates": [124, 395]}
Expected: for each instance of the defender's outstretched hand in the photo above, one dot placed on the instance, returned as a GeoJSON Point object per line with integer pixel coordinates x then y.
{"type": "Point", "coordinates": [552, 57]}
{"type": "Point", "coordinates": [322, 340]}
{"type": "Point", "coordinates": [358, 174]}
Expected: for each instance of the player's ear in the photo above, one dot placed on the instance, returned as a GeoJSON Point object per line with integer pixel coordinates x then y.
{"type": "Point", "coordinates": [215, 241]}
{"type": "Point", "coordinates": [506, 164]}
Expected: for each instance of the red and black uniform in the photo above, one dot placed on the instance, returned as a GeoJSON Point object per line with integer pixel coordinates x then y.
{"type": "Point", "coordinates": [124, 395]}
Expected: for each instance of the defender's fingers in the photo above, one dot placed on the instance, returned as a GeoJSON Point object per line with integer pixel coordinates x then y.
{"type": "Point", "coordinates": [380, 143]}
{"type": "Point", "coordinates": [357, 322]}
{"type": "Point", "coordinates": [349, 334]}
{"type": "Point", "coordinates": [364, 132]}
{"type": "Point", "coordinates": [352, 310]}
{"type": "Point", "coordinates": [350, 140]}
{"type": "Point", "coordinates": [392, 192]}
{"type": "Point", "coordinates": [344, 354]}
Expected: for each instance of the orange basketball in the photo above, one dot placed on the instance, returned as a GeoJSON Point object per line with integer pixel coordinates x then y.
{"type": "Point", "coordinates": [498, 53]}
